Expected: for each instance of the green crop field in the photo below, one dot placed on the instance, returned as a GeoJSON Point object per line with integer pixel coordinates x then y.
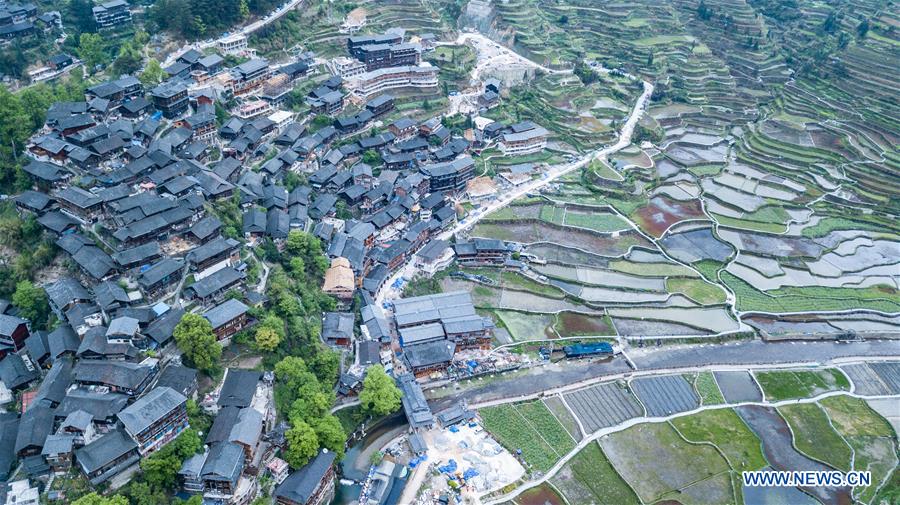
{"type": "Point", "coordinates": [590, 478]}
{"type": "Point", "coordinates": [531, 428]}
{"type": "Point", "coordinates": [701, 292]}
{"type": "Point", "coordinates": [873, 440]}
{"type": "Point", "coordinates": [787, 384]}
{"type": "Point", "coordinates": [659, 464]}
{"type": "Point", "coordinates": [724, 429]}
{"type": "Point", "coordinates": [598, 221]}
{"type": "Point", "coordinates": [705, 384]}
{"type": "Point", "coordinates": [814, 436]}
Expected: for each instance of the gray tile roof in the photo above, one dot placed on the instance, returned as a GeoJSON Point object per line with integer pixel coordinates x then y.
{"type": "Point", "coordinates": [35, 425]}
{"type": "Point", "coordinates": [112, 373]}
{"type": "Point", "coordinates": [300, 485]}
{"type": "Point", "coordinates": [224, 312]}
{"type": "Point", "coordinates": [151, 407]}
{"type": "Point", "coordinates": [104, 450]}
{"type": "Point", "coordinates": [162, 328]}
{"type": "Point", "coordinates": [238, 388]}
{"type": "Point", "coordinates": [224, 463]}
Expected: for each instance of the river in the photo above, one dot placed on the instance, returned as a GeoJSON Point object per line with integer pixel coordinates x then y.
{"type": "Point", "coordinates": [355, 464]}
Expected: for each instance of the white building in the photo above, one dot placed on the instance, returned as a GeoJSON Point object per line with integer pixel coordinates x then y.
{"type": "Point", "coordinates": [525, 141]}
{"type": "Point", "coordinates": [435, 256]}
{"type": "Point", "coordinates": [347, 68]}
{"type": "Point", "coordinates": [281, 118]}
{"type": "Point", "coordinates": [232, 44]}
{"type": "Point", "coordinates": [20, 492]}
{"type": "Point", "coordinates": [422, 77]}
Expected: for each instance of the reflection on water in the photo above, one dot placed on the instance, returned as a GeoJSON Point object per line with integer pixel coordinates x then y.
{"type": "Point", "coordinates": [355, 464]}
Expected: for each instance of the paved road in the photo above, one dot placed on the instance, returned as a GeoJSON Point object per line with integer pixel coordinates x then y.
{"type": "Point", "coordinates": [574, 374]}
{"type": "Point", "coordinates": [245, 30]}
{"type": "Point", "coordinates": [528, 382]}
{"type": "Point", "coordinates": [758, 352]}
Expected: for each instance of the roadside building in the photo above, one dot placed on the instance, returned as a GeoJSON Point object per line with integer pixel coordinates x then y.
{"type": "Point", "coordinates": [337, 328]}
{"type": "Point", "coordinates": [108, 456]}
{"type": "Point", "coordinates": [523, 138]}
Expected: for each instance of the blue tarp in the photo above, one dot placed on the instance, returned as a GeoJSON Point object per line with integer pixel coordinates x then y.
{"type": "Point", "coordinates": [450, 467]}
{"type": "Point", "coordinates": [454, 429]}
{"type": "Point", "coordinates": [471, 472]}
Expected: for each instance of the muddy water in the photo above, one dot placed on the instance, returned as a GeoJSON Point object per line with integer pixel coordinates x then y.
{"type": "Point", "coordinates": [780, 452]}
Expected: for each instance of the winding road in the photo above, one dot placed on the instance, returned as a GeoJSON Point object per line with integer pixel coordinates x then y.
{"type": "Point", "coordinates": [408, 270]}
{"type": "Point", "coordinates": [246, 30]}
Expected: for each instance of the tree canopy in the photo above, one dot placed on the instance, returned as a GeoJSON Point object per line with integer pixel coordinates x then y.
{"type": "Point", "coordinates": [380, 395]}
{"type": "Point", "coordinates": [32, 303]}
{"type": "Point", "coordinates": [194, 336]}
{"type": "Point", "coordinates": [302, 444]}
{"type": "Point", "coordinates": [97, 499]}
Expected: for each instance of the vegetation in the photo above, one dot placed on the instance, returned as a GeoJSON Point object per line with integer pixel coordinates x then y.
{"type": "Point", "coordinates": [705, 384]}
{"type": "Point", "coordinates": [660, 464]}
{"type": "Point", "coordinates": [787, 384]}
{"type": "Point", "coordinates": [380, 395]}
{"type": "Point", "coordinates": [161, 468]}
{"type": "Point", "coordinates": [97, 499]}
{"type": "Point", "coordinates": [195, 338]}
{"type": "Point", "coordinates": [593, 480]}
{"type": "Point", "coordinates": [870, 435]}
{"type": "Point", "coordinates": [22, 114]}
{"type": "Point", "coordinates": [530, 430]}
{"type": "Point", "coordinates": [32, 304]}
{"type": "Point", "coordinates": [307, 402]}
{"type": "Point", "coordinates": [701, 292]}
{"type": "Point", "coordinates": [724, 429]}
{"type": "Point", "coordinates": [196, 19]}
{"type": "Point", "coordinates": [814, 436]}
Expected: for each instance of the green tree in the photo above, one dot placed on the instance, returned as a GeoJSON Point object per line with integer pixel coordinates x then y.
{"type": "Point", "coordinates": [142, 493]}
{"type": "Point", "coordinates": [331, 434]}
{"type": "Point", "coordinates": [153, 73]}
{"type": "Point", "coordinates": [13, 131]}
{"type": "Point", "coordinates": [380, 395]}
{"type": "Point", "coordinates": [32, 303]}
{"type": "Point", "coordinates": [128, 60]}
{"type": "Point", "coordinates": [302, 444]}
{"type": "Point", "coordinates": [325, 364]}
{"type": "Point", "coordinates": [96, 499]}
{"type": "Point", "coordinates": [79, 15]}
{"type": "Point", "coordinates": [161, 468]}
{"type": "Point", "coordinates": [91, 51]}
{"type": "Point", "coordinates": [311, 402]}
{"type": "Point", "coordinates": [862, 29]}
{"type": "Point", "coordinates": [267, 339]}
{"type": "Point", "coordinates": [194, 336]}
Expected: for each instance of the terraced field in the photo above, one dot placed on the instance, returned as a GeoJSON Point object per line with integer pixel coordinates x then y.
{"type": "Point", "coordinates": [771, 161]}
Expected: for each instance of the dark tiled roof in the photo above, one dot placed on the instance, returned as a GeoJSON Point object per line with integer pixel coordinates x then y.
{"type": "Point", "coordinates": [150, 408]}
{"type": "Point", "coordinates": [178, 377]}
{"type": "Point", "coordinates": [300, 485]}
{"type": "Point", "coordinates": [104, 451]}
{"type": "Point", "coordinates": [36, 424]}
{"type": "Point", "coordinates": [238, 388]}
